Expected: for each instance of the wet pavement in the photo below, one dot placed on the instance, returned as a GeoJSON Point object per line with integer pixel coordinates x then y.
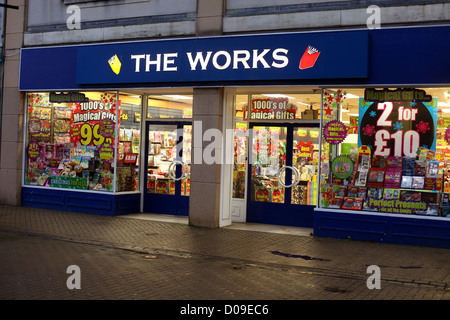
{"type": "Point", "coordinates": [139, 258]}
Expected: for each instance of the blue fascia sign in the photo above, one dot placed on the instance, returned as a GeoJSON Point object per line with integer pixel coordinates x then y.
{"type": "Point", "coordinates": [228, 58]}
{"type": "Point", "coordinates": [388, 56]}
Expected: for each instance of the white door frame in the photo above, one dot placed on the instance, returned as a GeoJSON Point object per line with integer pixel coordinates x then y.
{"type": "Point", "coordinates": [226, 168]}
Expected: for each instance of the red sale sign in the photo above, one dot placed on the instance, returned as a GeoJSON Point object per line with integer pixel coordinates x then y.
{"type": "Point", "coordinates": [93, 122]}
{"type": "Point", "coordinates": [130, 158]}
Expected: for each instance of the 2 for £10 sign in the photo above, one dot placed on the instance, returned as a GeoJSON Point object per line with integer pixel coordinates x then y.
{"type": "Point", "coordinates": [397, 128]}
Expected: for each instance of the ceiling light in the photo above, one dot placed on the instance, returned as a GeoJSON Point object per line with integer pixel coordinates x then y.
{"type": "Point", "coordinates": [278, 96]}
{"type": "Point", "coordinates": [351, 96]}
{"type": "Point", "coordinates": [177, 97]}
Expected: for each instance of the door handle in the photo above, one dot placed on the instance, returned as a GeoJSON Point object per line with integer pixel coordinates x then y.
{"type": "Point", "coordinates": [183, 174]}
{"type": "Point", "coordinates": [298, 176]}
{"type": "Point", "coordinates": [294, 171]}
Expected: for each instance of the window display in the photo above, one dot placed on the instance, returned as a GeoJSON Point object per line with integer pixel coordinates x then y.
{"type": "Point", "coordinates": [71, 142]}
{"type": "Point", "coordinates": [129, 143]}
{"type": "Point", "coordinates": [397, 162]}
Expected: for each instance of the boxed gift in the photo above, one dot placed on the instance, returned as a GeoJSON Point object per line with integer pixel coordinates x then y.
{"type": "Point", "coordinates": [420, 168]}
{"type": "Point", "coordinates": [376, 177]}
{"type": "Point", "coordinates": [408, 166]}
{"type": "Point", "coordinates": [406, 182]}
{"type": "Point", "coordinates": [417, 182]}
{"type": "Point", "coordinates": [392, 178]}
{"type": "Point", "coordinates": [352, 203]}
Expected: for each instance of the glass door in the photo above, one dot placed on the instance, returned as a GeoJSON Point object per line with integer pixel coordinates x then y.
{"type": "Point", "coordinates": [167, 179]}
{"type": "Point", "coordinates": [268, 157]}
{"type": "Point", "coordinates": [305, 159]}
{"type": "Point", "coordinates": [282, 174]}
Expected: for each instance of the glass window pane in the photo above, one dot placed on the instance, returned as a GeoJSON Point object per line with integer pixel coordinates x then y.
{"type": "Point", "coordinates": [129, 143]}
{"type": "Point", "coordinates": [174, 106]}
{"type": "Point", "coordinates": [70, 140]}
{"type": "Point", "coordinates": [240, 148]}
{"type": "Point", "coordinates": [186, 159]}
{"type": "Point", "coordinates": [268, 156]}
{"type": "Point", "coordinates": [394, 158]}
{"type": "Point", "coordinates": [162, 151]}
{"type": "Point", "coordinates": [305, 158]}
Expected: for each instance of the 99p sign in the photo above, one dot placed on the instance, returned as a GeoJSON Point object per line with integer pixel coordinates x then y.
{"type": "Point", "coordinates": [90, 134]}
{"type": "Point", "coordinates": [92, 124]}
{"type": "Point", "coordinates": [97, 133]}
{"type": "Point", "coordinates": [397, 128]}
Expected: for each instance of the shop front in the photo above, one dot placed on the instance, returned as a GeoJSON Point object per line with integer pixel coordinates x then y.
{"type": "Point", "coordinates": [325, 127]}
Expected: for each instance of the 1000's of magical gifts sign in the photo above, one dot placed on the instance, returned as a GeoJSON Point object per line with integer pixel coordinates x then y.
{"type": "Point", "coordinates": [397, 122]}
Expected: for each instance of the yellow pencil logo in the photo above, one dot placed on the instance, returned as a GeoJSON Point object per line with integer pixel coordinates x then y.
{"type": "Point", "coordinates": [115, 64]}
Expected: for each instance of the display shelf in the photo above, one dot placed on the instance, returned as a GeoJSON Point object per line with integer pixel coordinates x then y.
{"type": "Point", "coordinates": [418, 190]}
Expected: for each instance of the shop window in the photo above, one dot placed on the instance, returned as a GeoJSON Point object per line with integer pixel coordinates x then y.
{"type": "Point", "coordinates": [240, 148]}
{"type": "Point", "coordinates": [72, 137]}
{"type": "Point", "coordinates": [387, 150]}
{"type": "Point", "coordinates": [129, 143]}
{"type": "Point", "coordinates": [173, 106]}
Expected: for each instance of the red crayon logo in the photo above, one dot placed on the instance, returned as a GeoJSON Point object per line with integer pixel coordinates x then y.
{"type": "Point", "coordinates": [309, 58]}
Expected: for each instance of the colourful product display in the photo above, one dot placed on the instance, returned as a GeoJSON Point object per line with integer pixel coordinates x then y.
{"type": "Point", "coordinates": [393, 185]}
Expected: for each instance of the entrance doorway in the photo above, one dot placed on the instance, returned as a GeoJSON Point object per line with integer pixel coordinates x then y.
{"type": "Point", "coordinates": [277, 147]}
{"type": "Point", "coordinates": [167, 167]}
{"type": "Point", "coordinates": [281, 187]}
